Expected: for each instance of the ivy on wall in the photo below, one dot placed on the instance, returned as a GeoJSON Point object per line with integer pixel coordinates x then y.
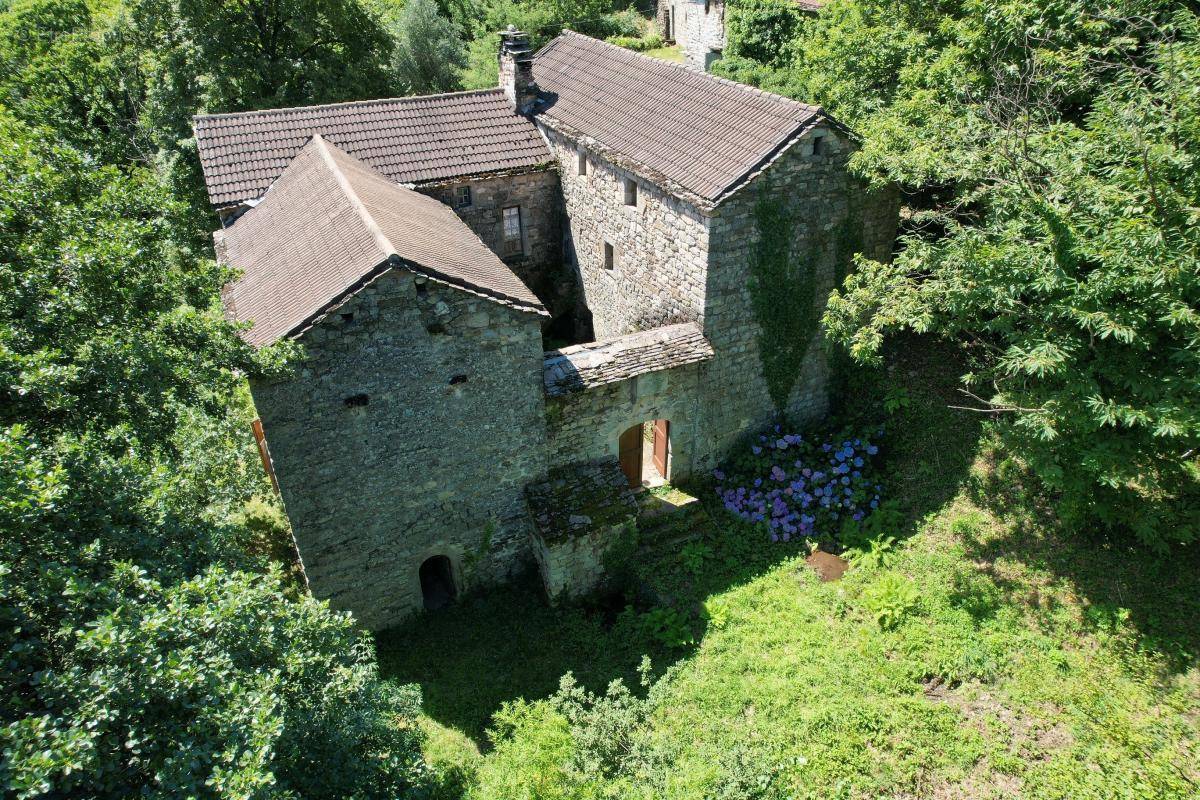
{"type": "Point", "coordinates": [782, 291]}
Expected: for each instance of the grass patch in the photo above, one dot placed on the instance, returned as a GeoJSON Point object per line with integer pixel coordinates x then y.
{"type": "Point", "coordinates": [672, 53]}
{"type": "Point", "coordinates": [988, 654]}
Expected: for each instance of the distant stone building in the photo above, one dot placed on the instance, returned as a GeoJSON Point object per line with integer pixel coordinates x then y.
{"type": "Point", "coordinates": [422, 250]}
{"type": "Point", "coordinates": [698, 26]}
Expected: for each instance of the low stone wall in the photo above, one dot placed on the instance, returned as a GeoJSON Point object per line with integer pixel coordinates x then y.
{"type": "Point", "coordinates": [579, 512]}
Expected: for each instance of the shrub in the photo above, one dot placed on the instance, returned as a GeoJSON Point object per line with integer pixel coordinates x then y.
{"type": "Point", "coordinates": [652, 41]}
{"type": "Point", "coordinates": [890, 599]}
{"type": "Point", "coordinates": [212, 687]}
{"type": "Point", "coordinates": [799, 488]}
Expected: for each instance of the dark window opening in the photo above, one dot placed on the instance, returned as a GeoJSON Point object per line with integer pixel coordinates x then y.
{"type": "Point", "coordinates": [630, 192]}
{"type": "Point", "coordinates": [818, 145]}
{"type": "Point", "coordinates": [436, 328]}
{"type": "Point", "coordinates": [437, 583]}
{"type": "Point", "coordinates": [347, 318]}
{"type": "Point", "coordinates": [355, 401]}
{"type": "Point", "coordinates": [610, 256]}
{"type": "Point", "coordinates": [457, 379]}
{"type": "Point", "coordinates": [512, 231]}
{"type": "Point", "coordinates": [581, 163]}
{"type": "Point", "coordinates": [422, 287]}
{"type": "Point", "coordinates": [462, 198]}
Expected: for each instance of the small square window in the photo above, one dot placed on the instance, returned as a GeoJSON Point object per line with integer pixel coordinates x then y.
{"type": "Point", "coordinates": [512, 231]}
{"type": "Point", "coordinates": [462, 197]}
{"type": "Point", "coordinates": [610, 256]}
{"type": "Point", "coordinates": [581, 163]}
{"type": "Point", "coordinates": [630, 192]}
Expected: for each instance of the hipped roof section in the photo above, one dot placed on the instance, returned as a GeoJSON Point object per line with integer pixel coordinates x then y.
{"type": "Point", "coordinates": [327, 226]}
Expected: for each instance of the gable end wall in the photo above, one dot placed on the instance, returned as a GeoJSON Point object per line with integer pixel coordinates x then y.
{"type": "Point", "coordinates": [427, 467]}
{"type": "Point", "coordinates": [830, 211]}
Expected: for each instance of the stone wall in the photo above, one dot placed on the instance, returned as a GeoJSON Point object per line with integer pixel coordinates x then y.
{"type": "Point", "coordinates": [410, 430]}
{"type": "Point", "coordinates": [585, 425]}
{"type": "Point", "coordinates": [832, 215]}
{"type": "Point", "coordinates": [579, 513]}
{"type": "Point", "coordinates": [700, 30]}
{"type": "Point", "coordinates": [540, 263]}
{"type": "Point", "coordinates": [659, 245]}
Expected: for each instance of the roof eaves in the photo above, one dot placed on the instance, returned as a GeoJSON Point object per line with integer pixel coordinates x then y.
{"type": "Point", "coordinates": [783, 147]}
{"type": "Point", "coordinates": [655, 177]}
{"type": "Point", "coordinates": [410, 99]}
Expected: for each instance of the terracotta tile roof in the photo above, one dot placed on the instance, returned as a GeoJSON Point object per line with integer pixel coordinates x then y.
{"type": "Point", "coordinates": [702, 132]}
{"type": "Point", "coordinates": [810, 5]}
{"type": "Point", "coordinates": [408, 139]}
{"type": "Point", "coordinates": [583, 366]}
{"type": "Point", "coordinates": [328, 224]}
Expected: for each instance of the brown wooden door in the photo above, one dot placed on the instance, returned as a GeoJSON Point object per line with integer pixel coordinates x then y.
{"type": "Point", "coordinates": [662, 438]}
{"type": "Point", "coordinates": [629, 450]}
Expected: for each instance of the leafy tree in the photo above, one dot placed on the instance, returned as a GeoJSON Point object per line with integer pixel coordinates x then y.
{"type": "Point", "coordinates": [428, 54]}
{"type": "Point", "coordinates": [762, 30]}
{"type": "Point", "coordinates": [124, 459]}
{"type": "Point", "coordinates": [542, 21]}
{"type": "Point", "coordinates": [1052, 149]}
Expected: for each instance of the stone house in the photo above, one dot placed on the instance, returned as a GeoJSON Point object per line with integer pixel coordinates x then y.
{"type": "Point", "coordinates": [423, 249]}
{"type": "Point", "coordinates": [698, 27]}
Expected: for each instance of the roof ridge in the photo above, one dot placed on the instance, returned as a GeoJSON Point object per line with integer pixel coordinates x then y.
{"type": "Point", "coordinates": [356, 203]}
{"type": "Point", "coordinates": [816, 109]}
{"type": "Point", "coordinates": [345, 103]}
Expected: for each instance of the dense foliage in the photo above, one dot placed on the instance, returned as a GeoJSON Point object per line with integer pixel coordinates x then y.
{"type": "Point", "coordinates": [148, 648]}
{"type": "Point", "coordinates": [1049, 152]}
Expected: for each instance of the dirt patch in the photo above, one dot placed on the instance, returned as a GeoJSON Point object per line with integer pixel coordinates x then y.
{"type": "Point", "coordinates": [828, 566]}
{"type": "Point", "coordinates": [1028, 736]}
{"type": "Point", "coordinates": [1032, 737]}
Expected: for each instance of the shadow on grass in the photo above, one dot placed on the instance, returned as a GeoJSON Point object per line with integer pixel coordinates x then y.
{"type": "Point", "coordinates": [1120, 581]}
{"type": "Point", "coordinates": [508, 644]}
{"type": "Point", "coordinates": [492, 648]}
{"type": "Point", "coordinates": [928, 446]}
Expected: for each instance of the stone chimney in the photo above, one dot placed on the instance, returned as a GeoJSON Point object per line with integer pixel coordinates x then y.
{"type": "Point", "coordinates": [516, 70]}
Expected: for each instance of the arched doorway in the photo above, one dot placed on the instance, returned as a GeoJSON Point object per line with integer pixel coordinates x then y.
{"type": "Point", "coordinates": [644, 451]}
{"type": "Point", "coordinates": [437, 583]}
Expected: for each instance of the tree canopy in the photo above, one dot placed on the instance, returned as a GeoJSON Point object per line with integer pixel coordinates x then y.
{"type": "Point", "coordinates": [1048, 153]}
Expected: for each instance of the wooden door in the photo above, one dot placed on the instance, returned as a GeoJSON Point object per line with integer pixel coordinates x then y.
{"type": "Point", "coordinates": [629, 452]}
{"type": "Point", "coordinates": [662, 439]}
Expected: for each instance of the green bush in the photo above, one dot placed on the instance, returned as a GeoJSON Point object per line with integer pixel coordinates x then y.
{"type": "Point", "coordinates": [212, 687]}
{"type": "Point", "coordinates": [639, 43]}
{"type": "Point", "coordinates": [890, 599]}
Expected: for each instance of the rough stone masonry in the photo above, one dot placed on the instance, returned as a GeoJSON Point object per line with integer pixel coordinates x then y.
{"type": "Point", "coordinates": [597, 196]}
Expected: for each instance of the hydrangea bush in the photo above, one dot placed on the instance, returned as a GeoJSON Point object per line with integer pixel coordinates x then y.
{"type": "Point", "coordinates": [799, 487]}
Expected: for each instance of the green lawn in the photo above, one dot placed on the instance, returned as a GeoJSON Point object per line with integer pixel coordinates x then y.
{"type": "Point", "coordinates": [1033, 662]}
{"type": "Point", "coordinates": [672, 53]}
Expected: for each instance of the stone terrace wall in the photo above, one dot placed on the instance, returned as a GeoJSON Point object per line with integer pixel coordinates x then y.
{"type": "Point", "coordinates": [450, 435]}
{"type": "Point", "coordinates": [832, 213]}
{"type": "Point", "coordinates": [660, 246]}
{"type": "Point", "coordinates": [537, 193]}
